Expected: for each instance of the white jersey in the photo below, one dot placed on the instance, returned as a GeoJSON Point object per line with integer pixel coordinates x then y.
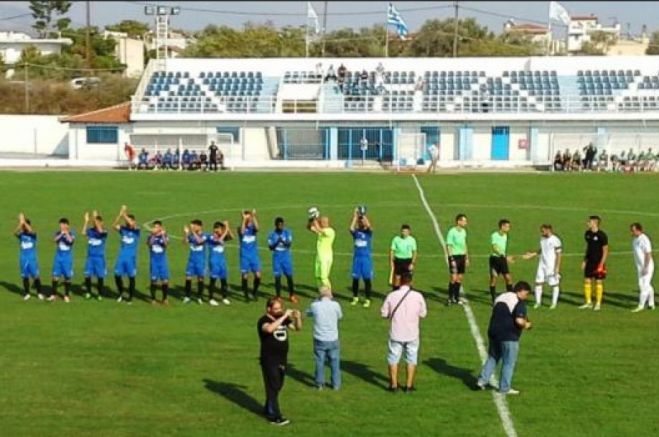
{"type": "Point", "coordinates": [641, 246]}
{"type": "Point", "coordinates": [549, 248]}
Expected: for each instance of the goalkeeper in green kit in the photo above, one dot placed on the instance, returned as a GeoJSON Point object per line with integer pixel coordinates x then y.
{"type": "Point", "coordinates": [324, 253]}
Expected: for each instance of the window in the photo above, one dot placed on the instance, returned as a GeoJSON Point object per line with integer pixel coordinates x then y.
{"type": "Point", "coordinates": [231, 130]}
{"type": "Point", "coordinates": [102, 134]}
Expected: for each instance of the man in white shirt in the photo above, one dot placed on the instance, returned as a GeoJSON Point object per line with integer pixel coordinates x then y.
{"type": "Point", "coordinates": [644, 266]}
{"type": "Point", "coordinates": [549, 266]}
{"type": "Point", "coordinates": [433, 151]}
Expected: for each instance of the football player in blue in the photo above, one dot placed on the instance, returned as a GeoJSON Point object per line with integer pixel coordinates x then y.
{"type": "Point", "coordinates": [95, 263]}
{"type": "Point", "coordinates": [249, 252]}
{"type": "Point", "coordinates": [126, 264]}
{"type": "Point", "coordinates": [362, 259]}
{"type": "Point", "coordinates": [217, 263]}
{"type": "Point", "coordinates": [159, 267]}
{"type": "Point", "coordinates": [279, 242]}
{"type": "Point", "coordinates": [28, 257]}
{"type": "Point", "coordinates": [63, 262]}
{"type": "Point", "coordinates": [197, 239]}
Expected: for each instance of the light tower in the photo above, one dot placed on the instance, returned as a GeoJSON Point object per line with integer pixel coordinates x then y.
{"type": "Point", "coordinates": [162, 14]}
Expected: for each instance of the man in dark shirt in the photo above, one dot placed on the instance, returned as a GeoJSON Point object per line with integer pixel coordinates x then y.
{"type": "Point", "coordinates": [273, 334]}
{"type": "Point", "coordinates": [509, 319]}
{"type": "Point", "coordinates": [593, 264]}
{"type": "Point", "coordinates": [212, 151]}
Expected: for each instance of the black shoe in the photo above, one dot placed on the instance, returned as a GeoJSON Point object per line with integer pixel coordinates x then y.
{"type": "Point", "coordinates": [280, 421]}
{"type": "Point", "coordinates": [449, 302]}
{"type": "Point", "coordinates": [254, 297]}
{"type": "Point", "coordinates": [393, 389]}
{"type": "Point", "coordinates": [409, 389]}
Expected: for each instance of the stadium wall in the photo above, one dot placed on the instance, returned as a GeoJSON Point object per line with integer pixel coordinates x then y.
{"type": "Point", "coordinates": [33, 135]}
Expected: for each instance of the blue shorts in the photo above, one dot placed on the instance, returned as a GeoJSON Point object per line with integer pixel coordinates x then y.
{"type": "Point", "coordinates": [218, 268]}
{"type": "Point", "coordinates": [95, 266]}
{"type": "Point", "coordinates": [159, 270]}
{"type": "Point", "coordinates": [29, 268]}
{"type": "Point", "coordinates": [126, 267]}
{"type": "Point", "coordinates": [63, 267]}
{"type": "Point", "coordinates": [362, 267]}
{"type": "Point", "coordinates": [250, 263]}
{"type": "Point", "coordinates": [282, 264]}
{"type": "Point", "coordinates": [195, 268]}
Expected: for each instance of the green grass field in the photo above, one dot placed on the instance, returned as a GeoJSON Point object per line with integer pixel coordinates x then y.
{"type": "Point", "coordinates": [105, 368]}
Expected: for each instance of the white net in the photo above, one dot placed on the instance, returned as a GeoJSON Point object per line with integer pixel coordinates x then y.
{"type": "Point", "coordinates": [409, 149]}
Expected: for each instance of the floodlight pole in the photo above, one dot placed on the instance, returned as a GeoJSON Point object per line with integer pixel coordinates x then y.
{"type": "Point", "coordinates": [455, 29]}
{"type": "Point", "coordinates": [162, 14]}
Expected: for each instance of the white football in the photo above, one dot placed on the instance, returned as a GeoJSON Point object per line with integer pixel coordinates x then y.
{"type": "Point", "coordinates": [313, 212]}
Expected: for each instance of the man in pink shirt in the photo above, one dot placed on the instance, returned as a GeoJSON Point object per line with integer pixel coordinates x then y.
{"type": "Point", "coordinates": [404, 307]}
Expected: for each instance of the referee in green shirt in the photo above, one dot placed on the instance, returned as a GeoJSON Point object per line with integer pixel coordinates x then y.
{"type": "Point", "coordinates": [458, 257]}
{"type": "Point", "coordinates": [498, 258]}
{"type": "Point", "coordinates": [402, 255]}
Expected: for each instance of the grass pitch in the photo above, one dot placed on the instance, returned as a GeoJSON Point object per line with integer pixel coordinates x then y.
{"type": "Point", "coordinates": [105, 368]}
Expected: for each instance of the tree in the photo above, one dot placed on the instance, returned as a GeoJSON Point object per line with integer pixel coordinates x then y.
{"type": "Point", "coordinates": [653, 47]}
{"type": "Point", "coordinates": [435, 38]}
{"type": "Point", "coordinates": [603, 40]}
{"type": "Point", "coordinates": [43, 11]}
{"type": "Point", "coordinates": [134, 29]}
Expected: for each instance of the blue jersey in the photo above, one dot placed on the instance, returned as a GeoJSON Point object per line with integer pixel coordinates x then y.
{"type": "Point", "coordinates": [96, 243]}
{"type": "Point", "coordinates": [362, 242]}
{"type": "Point", "coordinates": [130, 238]}
{"type": "Point", "coordinates": [64, 246]}
{"type": "Point", "coordinates": [197, 244]}
{"type": "Point", "coordinates": [248, 241]}
{"type": "Point", "coordinates": [28, 243]}
{"type": "Point", "coordinates": [280, 242]}
{"type": "Point", "coordinates": [158, 245]}
{"type": "Point", "coordinates": [216, 246]}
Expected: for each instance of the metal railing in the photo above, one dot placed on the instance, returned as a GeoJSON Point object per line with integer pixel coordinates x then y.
{"type": "Point", "coordinates": [445, 104]}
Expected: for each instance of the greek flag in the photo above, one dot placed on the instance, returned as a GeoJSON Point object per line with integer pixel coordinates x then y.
{"type": "Point", "coordinates": [394, 18]}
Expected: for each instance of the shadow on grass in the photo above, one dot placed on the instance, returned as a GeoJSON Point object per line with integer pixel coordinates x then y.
{"type": "Point", "coordinates": [366, 374]}
{"type": "Point", "coordinates": [13, 288]}
{"type": "Point", "coordinates": [300, 376]}
{"type": "Point", "coordinates": [236, 394]}
{"type": "Point", "coordinates": [614, 299]}
{"type": "Point", "coordinates": [442, 367]}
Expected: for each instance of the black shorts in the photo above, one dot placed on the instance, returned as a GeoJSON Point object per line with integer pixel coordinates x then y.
{"type": "Point", "coordinates": [590, 271]}
{"type": "Point", "coordinates": [498, 266]}
{"type": "Point", "coordinates": [402, 266]}
{"type": "Point", "coordinates": [460, 265]}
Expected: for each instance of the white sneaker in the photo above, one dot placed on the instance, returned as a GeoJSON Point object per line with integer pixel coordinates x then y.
{"type": "Point", "coordinates": [67, 299]}
{"type": "Point", "coordinates": [651, 307]}
{"type": "Point", "coordinates": [213, 302]}
{"type": "Point", "coordinates": [119, 299]}
{"type": "Point", "coordinates": [637, 309]}
{"type": "Point", "coordinates": [186, 299]}
{"type": "Point", "coordinates": [597, 307]}
{"type": "Point", "coordinates": [200, 302]}
{"type": "Point", "coordinates": [462, 301]}
{"type": "Point", "coordinates": [51, 298]}
{"type": "Point", "coordinates": [536, 306]}
{"type": "Point", "coordinates": [586, 306]}
{"type": "Point", "coordinates": [27, 297]}
{"type": "Point", "coordinates": [553, 307]}
{"type": "Point", "coordinates": [41, 296]}
{"type": "Point", "coordinates": [226, 301]}
{"type": "Point", "coordinates": [511, 391]}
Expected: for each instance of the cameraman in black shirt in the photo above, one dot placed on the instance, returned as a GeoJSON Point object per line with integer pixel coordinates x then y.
{"type": "Point", "coordinates": [273, 333]}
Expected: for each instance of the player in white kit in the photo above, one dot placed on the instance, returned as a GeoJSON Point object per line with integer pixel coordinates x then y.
{"type": "Point", "coordinates": [644, 266]}
{"type": "Point", "coordinates": [549, 267]}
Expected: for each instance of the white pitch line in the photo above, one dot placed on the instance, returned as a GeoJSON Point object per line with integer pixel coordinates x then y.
{"type": "Point", "coordinates": [499, 399]}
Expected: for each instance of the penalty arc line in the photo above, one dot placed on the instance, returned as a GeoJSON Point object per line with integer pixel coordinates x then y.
{"type": "Point", "coordinates": [499, 399]}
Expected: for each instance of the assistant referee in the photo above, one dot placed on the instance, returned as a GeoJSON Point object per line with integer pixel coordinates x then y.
{"type": "Point", "coordinates": [402, 255]}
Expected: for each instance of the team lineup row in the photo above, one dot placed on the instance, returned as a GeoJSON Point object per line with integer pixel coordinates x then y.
{"type": "Point", "coordinates": [207, 257]}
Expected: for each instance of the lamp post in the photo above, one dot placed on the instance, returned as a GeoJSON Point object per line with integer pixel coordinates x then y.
{"type": "Point", "coordinates": [162, 14]}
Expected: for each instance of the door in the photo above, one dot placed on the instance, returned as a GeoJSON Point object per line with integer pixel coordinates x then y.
{"type": "Point", "coordinates": [500, 143]}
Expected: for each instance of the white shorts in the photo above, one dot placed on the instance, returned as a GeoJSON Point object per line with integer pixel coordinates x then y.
{"type": "Point", "coordinates": [396, 349]}
{"type": "Point", "coordinates": [545, 275]}
{"type": "Point", "coordinates": [645, 281]}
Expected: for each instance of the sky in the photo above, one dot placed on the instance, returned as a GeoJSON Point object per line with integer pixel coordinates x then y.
{"type": "Point", "coordinates": [196, 15]}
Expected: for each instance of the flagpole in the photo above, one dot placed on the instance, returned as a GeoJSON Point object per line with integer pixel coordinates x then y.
{"type": "Point", "coordinates": [386, 34]}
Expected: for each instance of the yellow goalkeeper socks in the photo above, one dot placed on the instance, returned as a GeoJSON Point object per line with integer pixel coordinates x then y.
{"type": "Point", "coordinates": [599, 292]}
{"type": "Point", "coordinates": [588, 291]}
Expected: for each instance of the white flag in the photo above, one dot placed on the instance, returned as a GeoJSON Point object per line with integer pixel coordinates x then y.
{"type": "Point", "coordinates": [558, 12]}
{"type": "Point", "coordinates": [313, 16]}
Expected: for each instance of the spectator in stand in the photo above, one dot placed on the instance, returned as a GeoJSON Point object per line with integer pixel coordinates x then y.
{"type": "Point", "coordinates": [567, 157]}
{"type": "Point", "coordinates": [143, 160]}
{"type": "Point", "coordinates": [342, 73]}
{"type": "Point", "coordinates": [167, 160]}
{"type": "Point", "coordinates": [380, 69]}
{"type": "Point", "coordinates": [558, 162]}
{"type": "Point", "coordinates": [319, 69]}
{"type": "Point", "coordinates": [212, 150]}
{"type": "Point", "coordinates": [203, 161]}
{"type": "Point", "coordinates": [130, 155]}
{"type": "Point", "coordinates": [576, 160]}
{"type": "Point", "coordinates": [363, 77]}
{"type": "Point", "coordinates": [331, 75]}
